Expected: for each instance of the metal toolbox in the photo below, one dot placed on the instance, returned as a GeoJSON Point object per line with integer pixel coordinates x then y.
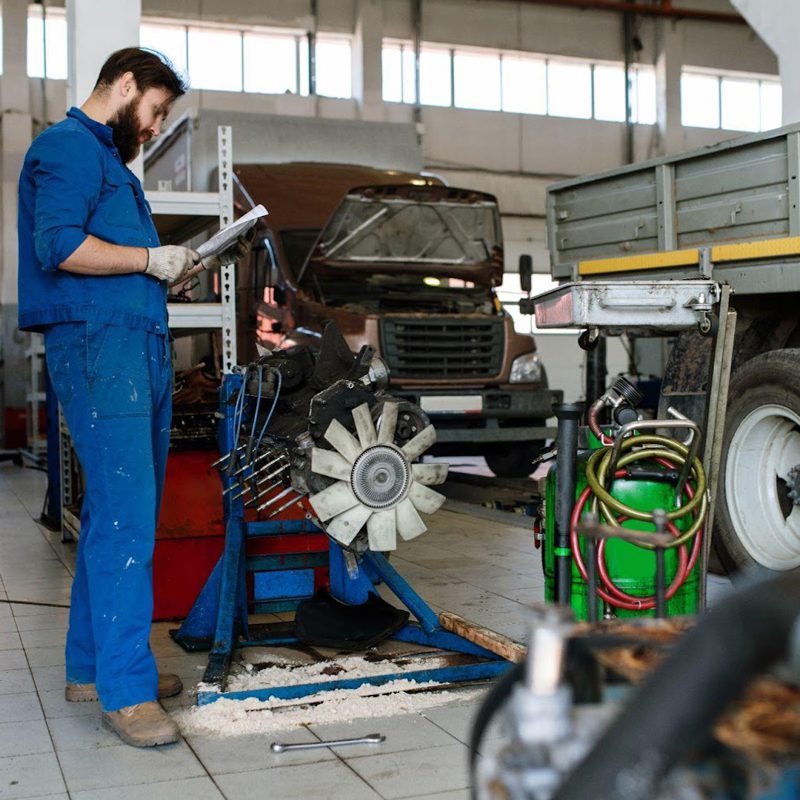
{"type": "Point", "coordinates": [629, 305]}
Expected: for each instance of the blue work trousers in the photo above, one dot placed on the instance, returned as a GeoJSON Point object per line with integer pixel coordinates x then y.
{"type": "Point", "coordinates": [115, 389]}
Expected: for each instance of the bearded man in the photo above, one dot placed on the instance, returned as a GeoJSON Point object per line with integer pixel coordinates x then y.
{"type": "Point", "coordinates": [93, 279]}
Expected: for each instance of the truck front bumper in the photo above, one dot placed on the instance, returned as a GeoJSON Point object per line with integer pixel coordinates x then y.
{"type": "Point", "coordinates": [486, 415]}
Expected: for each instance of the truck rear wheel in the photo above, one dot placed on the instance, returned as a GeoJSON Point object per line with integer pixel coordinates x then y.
{"type": "Point", "coordinates": [512, 459]}
{"type": "Point", "coordinates": [757, 519]}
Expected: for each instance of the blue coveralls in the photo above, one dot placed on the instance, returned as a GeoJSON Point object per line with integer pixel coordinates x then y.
{"type": "Point", "coordinates": [108, 355]}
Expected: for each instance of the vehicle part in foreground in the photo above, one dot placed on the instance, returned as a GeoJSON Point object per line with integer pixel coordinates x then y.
{"type": "Point", "coordinates": [659, 745]}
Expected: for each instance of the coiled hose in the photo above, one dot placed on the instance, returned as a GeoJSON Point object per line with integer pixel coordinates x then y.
{"type": "Point", "coordinates": [667, 453]}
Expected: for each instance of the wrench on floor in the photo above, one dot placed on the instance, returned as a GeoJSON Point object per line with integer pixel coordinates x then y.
{"type": "Point", "coordinates": [370, 738]}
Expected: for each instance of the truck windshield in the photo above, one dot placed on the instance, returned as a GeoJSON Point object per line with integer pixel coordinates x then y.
{"type": "Point", "coordinates": [403, 230]}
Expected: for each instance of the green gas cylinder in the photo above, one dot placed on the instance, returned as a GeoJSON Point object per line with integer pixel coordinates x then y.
{"type": "Point", "coordinates": [630, 567]}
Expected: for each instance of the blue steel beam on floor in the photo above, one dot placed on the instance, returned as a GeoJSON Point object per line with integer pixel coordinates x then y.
{"type": "Point", "coordinates": [458, 674]}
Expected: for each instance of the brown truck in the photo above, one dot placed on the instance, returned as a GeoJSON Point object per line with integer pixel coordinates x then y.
{"type": "Point", "coordinates": [404, 263]}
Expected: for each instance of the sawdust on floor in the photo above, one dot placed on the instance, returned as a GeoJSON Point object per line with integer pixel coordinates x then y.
{"type": "Point", "coordinates": [251, 716]}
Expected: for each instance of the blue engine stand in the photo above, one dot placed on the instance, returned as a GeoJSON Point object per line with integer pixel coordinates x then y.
{"type": "Point", "coordinates": [219, 617]}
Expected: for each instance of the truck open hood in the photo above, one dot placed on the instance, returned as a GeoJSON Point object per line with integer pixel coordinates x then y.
{"type": "Point", "coordinates": [429, 230]}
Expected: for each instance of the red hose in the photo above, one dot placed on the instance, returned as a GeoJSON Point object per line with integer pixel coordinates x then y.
{"type": "Point", "coordinates": [613, 594]}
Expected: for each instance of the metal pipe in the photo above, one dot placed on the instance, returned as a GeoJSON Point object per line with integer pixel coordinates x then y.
{"type": "Point", "coordinates": [591, 583]}
{"type": "Point", "coordinates": [275, 499]}
{"type": "Point", "coordinates": [627, 34]}
{"type": "Point", "coordinates": [568, 415]}
{"type": "Point", "coordinates": [252, 477]}
{"type": "Point", "coordinates": [664, 10]}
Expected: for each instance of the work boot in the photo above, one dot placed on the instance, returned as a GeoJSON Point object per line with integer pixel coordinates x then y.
{"type": "Point", "coordinates": [168, 686]}
{"type": "Point", "coordinates": [142, 725]}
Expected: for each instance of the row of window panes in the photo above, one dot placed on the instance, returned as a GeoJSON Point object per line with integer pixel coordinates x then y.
{"type": "Point", "coordinates": [518, 83]}
{"type": "Point", "coordinates": [273, 63]}
{"type": "Point", "coordinates": [277, 63]}
{"type": "Point", "coordinates": [730, 102]}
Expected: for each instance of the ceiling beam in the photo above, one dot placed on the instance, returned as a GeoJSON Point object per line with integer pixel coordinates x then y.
{"type": "Point", "coordinates": [662, 9]}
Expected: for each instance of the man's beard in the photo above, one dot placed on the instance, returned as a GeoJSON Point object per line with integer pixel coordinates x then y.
{"type": "Point", "coordinates": [125, 131]}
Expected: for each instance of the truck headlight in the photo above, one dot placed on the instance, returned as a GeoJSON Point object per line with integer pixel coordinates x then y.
{"type": "Point", "coordinates": [526, 369]}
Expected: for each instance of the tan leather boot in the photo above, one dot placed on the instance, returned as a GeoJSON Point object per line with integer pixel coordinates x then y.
{"type": "Point", "coordinates": [168, 686]}
{"type": "Point", "coordinates": [142, 725]}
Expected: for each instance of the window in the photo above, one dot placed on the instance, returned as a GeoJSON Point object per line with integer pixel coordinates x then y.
{"type": "Point", "coordinates": [270, 63]}
{"type": "Point", "coordinates": [643, 95]}
{"type": "Point", "coordinates": [569, 89]}
{"type": "Point", "coordinates": [732, 101]}
{"type": "Point", "coordinates": [49, 61]}
{"type": "Point", "coordinates": [392, 73]}
{"type": "Point", "coordinates": [518, 83]}
{"type": "Point", "coordinates": [215, 59]}
{"type": "Point", "coordinates": [739, 102]}
{"type": "Point", "coordinates": [435, 80]}
{"type": "Point", "coordinates": [700, 100]}
{"type": "Point", "coordinates": [334, 67]}
{"type": "Point", "coordinates": [771, 105]}
{"type": "Point", "coordinates": [167, 39]}
{"type": "Point", "coordinates": [398, 72]}
{"type": "Point", "coordinates": [609, 93]}
{"type": "Point", "coordinates": [524, 84]}
{"type": "Point", "coordinates": [476, 81]}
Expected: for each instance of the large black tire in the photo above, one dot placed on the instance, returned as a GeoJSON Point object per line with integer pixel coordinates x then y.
{"type": "Point", "coordinates": [512, 459]}
{"type": "Point", "coordinates": [756, 521]}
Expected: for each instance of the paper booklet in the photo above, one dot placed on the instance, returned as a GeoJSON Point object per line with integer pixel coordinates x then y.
{"type": "Point", "coordinates": [225, 237]}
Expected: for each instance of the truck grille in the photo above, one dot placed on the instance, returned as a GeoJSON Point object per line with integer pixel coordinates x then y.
{"type": "Point", "coordinates": [442, 348]}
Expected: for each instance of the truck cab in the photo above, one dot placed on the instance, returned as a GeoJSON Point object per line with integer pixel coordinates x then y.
{"type": "Point", "coordinates": [408, 265]}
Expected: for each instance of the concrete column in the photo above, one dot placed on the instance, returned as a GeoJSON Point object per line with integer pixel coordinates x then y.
{"type": "Point", "coordinates": [367, 66]}
{"type": "Point", "coordinates": [95, 29]}
{"type": "Point", "coordinates": [15, 138]}
{"type": "Point", "coordinates": [777, 22]}
{"type": "Point", "coordinates": [669, 61]}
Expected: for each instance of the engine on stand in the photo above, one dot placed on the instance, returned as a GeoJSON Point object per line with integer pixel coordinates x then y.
{"type": "Point", "coordinates": [313, 444]}
{"type": "Point", "coordinates": [318, 429]}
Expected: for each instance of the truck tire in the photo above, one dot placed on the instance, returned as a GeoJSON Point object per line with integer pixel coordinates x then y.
{"type": "Point", "coordinates": [757, 521]}
{"type": "Point", "coordinates": [512, 459]}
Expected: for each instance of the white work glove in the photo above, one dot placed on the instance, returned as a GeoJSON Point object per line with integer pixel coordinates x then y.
{"type": "Point", "coordinates": [239, 249]}
{"type": "Point", "coordinates": [170, 262]}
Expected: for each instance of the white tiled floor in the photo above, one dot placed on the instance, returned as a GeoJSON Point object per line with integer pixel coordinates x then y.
{"type": "Point", "coordinates": [478, 567]}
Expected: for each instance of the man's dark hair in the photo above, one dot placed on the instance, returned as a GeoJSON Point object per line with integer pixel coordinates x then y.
{"type": "Point", "coordinates": [149, 67]}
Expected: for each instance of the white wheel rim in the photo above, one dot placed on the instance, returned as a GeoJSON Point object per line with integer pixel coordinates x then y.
{"type": "Point", "coordinates": [764, 448]}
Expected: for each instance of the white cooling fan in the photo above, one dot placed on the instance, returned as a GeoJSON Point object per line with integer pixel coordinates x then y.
{"type": "Point", "coordinates": [376, 483]}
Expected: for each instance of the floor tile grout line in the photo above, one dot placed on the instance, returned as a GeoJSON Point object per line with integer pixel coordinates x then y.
{"type": "Point", "coordinates": [49, 732]}
{"type": "Point", "coordinates": [355, 772]}
{"type": "Point", "coordinates": [211, 777]}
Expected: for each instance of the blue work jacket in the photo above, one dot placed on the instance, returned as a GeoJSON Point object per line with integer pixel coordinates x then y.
{"type": "Point", "coordinates": [73, 184]}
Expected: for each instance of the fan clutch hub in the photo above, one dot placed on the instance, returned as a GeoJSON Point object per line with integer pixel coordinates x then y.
{"type": "Point", "coordinates": [380, 477]}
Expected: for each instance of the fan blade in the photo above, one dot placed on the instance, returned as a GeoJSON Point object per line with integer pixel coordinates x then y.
{"type": "Point", "coordinates": [409, 523]}
{"type": "Point", "coordinates": [343, 440]}
{"type": "Point", "coordinates": [365, 427]}
{"type": "Point", "coordinates": [425, 499]}
{"type": "Point", "coordinates": [345, 527]}
{"type": "Point", "coordinates": [326, 462]}
{"type": "Point", "coordinates": [333, 500]}
{"type": "Point", "coordinates": [429, 474]}
{"type": "Point", "coordinates": [382, 531]}
{"type": "Point", "coordinates": [388, 423]}
{"type": "Point", "coordinates": [420, 443]}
